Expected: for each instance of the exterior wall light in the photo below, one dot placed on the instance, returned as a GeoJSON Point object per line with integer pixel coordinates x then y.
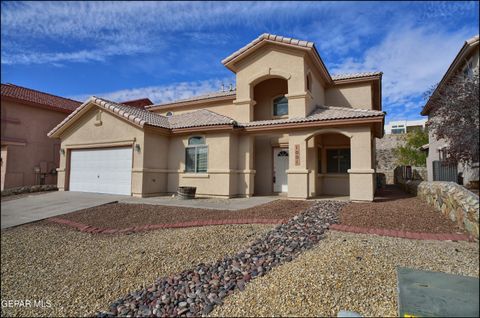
{"type": "Point", "coordinates": [137, 147]}
{"type": "Point", "coordinates": [62, 151]}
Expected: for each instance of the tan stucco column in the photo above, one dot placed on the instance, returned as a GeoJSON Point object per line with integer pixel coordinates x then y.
{"type": "Point", "coordinates": [298, 181]}
{"type": "Point", "coordinates": [361, 174]}
{"type": "Point", "coordinates": [246, 170]}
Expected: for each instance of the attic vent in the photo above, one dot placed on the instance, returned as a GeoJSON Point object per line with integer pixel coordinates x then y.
{"type": "Point", "coordinates": [168, 114]}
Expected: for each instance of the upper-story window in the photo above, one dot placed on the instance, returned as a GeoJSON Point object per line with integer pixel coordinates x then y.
{"type": "Point", "coordinates": [168, 114]}
{"type": "Point", "coordinates": [398, 129]}
{"type": "Point", "coordinates": [280, 106]}
{"type": "Point", "coordinates": [309, 82]}
{"type": "Point", "coordinates": [196, 155]}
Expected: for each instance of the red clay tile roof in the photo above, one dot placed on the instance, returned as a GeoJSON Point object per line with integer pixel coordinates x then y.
{"type": "Point", "coordinates": [321, 113]}
{"type": "Point", "coordinates": [337, 77]}
{"type": "Point", "coordinates": [37, 98]}
{"type": "Point", "coordinates": [207, 96]}
{"type": "Point", "coordinates": [140, 103]}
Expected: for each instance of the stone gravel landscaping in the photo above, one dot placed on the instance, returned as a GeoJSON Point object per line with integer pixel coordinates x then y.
{"type": "Point", "coordinates": [347, 272]}
{"type": "Point", "coordinates": [397, 210]}
{"type": "Point", "coordinates": [122, 215]}
{"type": "Point", "coordinates": [79, 273]}
{"type": "Point", "coordinates": [197, 291]}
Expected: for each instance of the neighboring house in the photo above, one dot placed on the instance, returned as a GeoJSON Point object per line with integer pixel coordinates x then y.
{"type": "Point", "coordinates": [289, 128]}
{"type": "Point", "coordinates": [404, 126]}
{"type": "Point", "coordinates": [394, 137]}
{"type": "Point", "coordinates": [29, 157]}
{"type": "Point", "coordinates": [140, 103]}
{"type": "Point", "coordinates": [466, 62]}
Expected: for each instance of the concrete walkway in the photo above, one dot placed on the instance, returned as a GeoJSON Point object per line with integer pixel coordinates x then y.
{"type": "Point", "coordinates": [39, 207]}
{"type": "Point", "coordinates": [203, 203]}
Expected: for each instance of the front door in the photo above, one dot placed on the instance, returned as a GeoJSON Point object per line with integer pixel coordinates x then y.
{"type": "Point", "coordinates": [280, 167]}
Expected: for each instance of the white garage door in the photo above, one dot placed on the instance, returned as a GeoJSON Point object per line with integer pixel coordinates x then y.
{"type": "Point", "coordinates": [107, 170]}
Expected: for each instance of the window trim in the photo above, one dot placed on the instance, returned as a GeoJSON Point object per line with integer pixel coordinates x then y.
{"type": "Point", "coordinates": [196, 147]}
{"type": "Point", "coordinates": [273, 106]}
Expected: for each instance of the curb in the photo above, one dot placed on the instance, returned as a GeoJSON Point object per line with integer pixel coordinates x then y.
{"type": "Point", "coordinates": [147, 227]}
{"type": "Point", "coordinates": [401, 234]}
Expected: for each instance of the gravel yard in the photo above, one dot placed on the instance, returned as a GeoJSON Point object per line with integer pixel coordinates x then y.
{"type": "Point", "coordinates": [79, 273]}
{"type": "Point", "coordinates": [121, 215]}
{"type": "Point", "coordinates": [196, 291]}
{"type": "Point", "coordinates": [347, 271]}
{"type": "Point", "coordinates": [398, 211]}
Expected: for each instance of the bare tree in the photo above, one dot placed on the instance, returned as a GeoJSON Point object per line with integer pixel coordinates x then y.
{"type": "Point", "coordinates": [454, 117]}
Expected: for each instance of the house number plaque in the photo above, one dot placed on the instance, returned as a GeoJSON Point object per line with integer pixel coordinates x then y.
{"type": "Point", "coordinates": [297, 155]}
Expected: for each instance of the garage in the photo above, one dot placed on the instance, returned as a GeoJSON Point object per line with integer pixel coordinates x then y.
{"type": "Point", "coordinates": [104, 170]}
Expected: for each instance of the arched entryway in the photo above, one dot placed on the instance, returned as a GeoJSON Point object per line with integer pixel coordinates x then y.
{"type": "Point", "coordinates": [329, 160]}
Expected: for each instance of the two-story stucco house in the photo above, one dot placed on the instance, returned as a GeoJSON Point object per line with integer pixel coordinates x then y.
{"type": "Point", "coordinates": [466, 62]}
{"type": "Point", "coordinates": [289, 127]}
{"type": "Point", "coordinates": [29, 157]}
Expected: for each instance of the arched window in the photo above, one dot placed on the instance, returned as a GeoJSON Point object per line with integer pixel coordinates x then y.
{"type": "Point", "coordinates": [196, 155]}
{"type": "Point", "coordinates": [168, 114]}
{"type": "Point", "coordinates": [282, 153]}
{"type": "Point", "coordinates": [280, 106]}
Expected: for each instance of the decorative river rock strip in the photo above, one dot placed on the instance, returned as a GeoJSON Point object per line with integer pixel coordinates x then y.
{"type": "Point", "coordinates": [195, 292]}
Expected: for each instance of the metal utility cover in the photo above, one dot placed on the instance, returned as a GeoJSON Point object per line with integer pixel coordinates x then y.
{"type": "Point", "coordinates": [433, 294]}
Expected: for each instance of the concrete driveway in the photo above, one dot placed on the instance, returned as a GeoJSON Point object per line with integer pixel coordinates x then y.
{"type": "Point", "coordinates": [39, 207]}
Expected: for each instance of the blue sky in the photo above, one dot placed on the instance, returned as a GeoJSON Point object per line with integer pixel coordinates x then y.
{"type": "Point", "coordinates": [170, 50]}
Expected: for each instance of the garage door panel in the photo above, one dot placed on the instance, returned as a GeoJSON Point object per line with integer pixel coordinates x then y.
{"type": "Point", "coordinates": [101, 170]}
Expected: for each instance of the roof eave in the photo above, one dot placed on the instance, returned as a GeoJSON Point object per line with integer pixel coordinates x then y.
{"type": "Point", "coordinates": [465, 50]}
{"type": "Point", "coordinates": [358, 79]}
{"type": "Point", "coordinates": [317, 123]}
{"type": "Point", "coordinates": [30, 103]}
{"type": "Point", "coordinates": [191, 102]}
{"type": "Point", "coordinates": [311, 49]}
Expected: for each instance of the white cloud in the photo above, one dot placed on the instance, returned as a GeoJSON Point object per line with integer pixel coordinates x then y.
{"type": "Point", "coordinates": [163, 93]}
{"type": "Point", "coordinates": [412, 59]}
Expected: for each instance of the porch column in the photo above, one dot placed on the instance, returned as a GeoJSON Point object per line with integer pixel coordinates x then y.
{"type": "Point", "coordinates": [362, 173]}
{"type": "Point", "coordinates": [298, 187]}
{"type": "Point", "coordinates": [246, 169]}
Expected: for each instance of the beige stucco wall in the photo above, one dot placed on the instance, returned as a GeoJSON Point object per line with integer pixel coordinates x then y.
{"type": "Point", "coordinates": [357, 95]}
{"type": "Point", "coordinates": [316, 95]}
{"type": "Point", "coordinates": [30, 124]}
{"type": "Point", "coordinates": [222, 168]}
{"type": "Point", "coordinates": [113, 131]}
{"type": "Point", "coordinates": [155, 164]}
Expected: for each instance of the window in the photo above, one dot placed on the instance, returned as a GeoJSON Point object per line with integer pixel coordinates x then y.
{"type": "Point", "coordinates": [196, 155]}
{"type": "Point", "coordinates": [168, 114]}
{"type": "Point", "coordinates": [309, 82]}
{"type": "Point", "coordinates": [280, 106]}
{"type": "Point", "coordinates": [338, 160]}
{"type": "Point", "coordinates": [398, 130]}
